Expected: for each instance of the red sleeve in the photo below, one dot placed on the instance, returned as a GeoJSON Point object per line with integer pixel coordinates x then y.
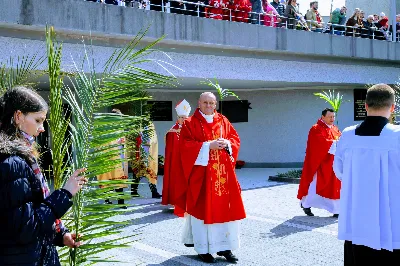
{"type": "Point", "coordinates": [189, 147]}
{"type": "Point", "coordinates": [169, 146]}
{"type": "Point", "coordinates": [234, 139]}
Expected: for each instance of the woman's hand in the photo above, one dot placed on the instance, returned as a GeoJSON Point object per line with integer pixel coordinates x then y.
{"type": "Point", "coordinates": [75, 182]}
{"type": "Point", "coordinates": [69, 240]}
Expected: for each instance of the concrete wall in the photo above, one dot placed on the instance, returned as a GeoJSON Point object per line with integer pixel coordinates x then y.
{"type": "Point", "coordinates": [278, 123]}
{"type": "Point", "coordinates": [236, 72]}
{"type": "Point", "coordinates": [108, 23]}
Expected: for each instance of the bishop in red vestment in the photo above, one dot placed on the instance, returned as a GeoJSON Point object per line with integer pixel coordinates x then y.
{"type": "Point", "coordinates": [319, 186]}
{"type": "Point", "coordinates": [209, 147]}
{"type": "Point", "coordinates": [172, 165]}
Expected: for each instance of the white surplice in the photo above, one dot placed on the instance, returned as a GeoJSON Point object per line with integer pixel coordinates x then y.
{"type": "Point", "coordinates": [316, 201]}
{"type": "Point", "coordinates": [210, 238]}
{"type": "Point", "coordinates": [369, 167]}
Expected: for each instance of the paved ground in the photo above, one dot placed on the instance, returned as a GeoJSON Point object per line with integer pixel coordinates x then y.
{"type": "Point", "coordinates": [276, 231]}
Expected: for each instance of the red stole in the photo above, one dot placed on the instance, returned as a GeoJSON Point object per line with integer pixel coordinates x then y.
{"type": "Point", "coordinates": [213, 194]}
{"type": "Point", "coordinates": [318, 160]}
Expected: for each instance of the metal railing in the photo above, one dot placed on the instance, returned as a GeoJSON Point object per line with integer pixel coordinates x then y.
{"type": "Point", "coordinates": [201, 9]}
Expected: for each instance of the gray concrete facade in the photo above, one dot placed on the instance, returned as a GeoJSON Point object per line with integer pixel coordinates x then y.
{"type": "Point", "coordinates": [78, 18]}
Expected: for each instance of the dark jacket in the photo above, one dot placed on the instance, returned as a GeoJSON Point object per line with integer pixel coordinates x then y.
{"type": "Point", "coordinates": [290, 14]}
{"type": "Point", "coordinates": [27, 220]}
{"type": "Point", "coordinates": [280, 8]}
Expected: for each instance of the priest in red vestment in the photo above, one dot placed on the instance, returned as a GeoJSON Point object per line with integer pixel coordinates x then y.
{"type": "Point", "coordinates": [172, 165]}
{"type": "Point", "coordinates": [319, 186]}
{"type": "Point", "coordinates": [209, 147]}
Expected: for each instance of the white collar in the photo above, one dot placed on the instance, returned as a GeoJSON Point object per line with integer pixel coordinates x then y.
{"type": "Point", "coordinates": [330, 126]}
{"type": "Point", "coordinates": [209, 118]}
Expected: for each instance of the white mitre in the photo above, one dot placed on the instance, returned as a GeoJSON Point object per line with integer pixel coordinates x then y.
{"type": "Point", "coordinates": [183, 108]}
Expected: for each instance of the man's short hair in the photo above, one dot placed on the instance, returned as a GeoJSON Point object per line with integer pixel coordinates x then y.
{"type": "Point", "coordinates": [380, 96]}
{"type": "Point", "coordinates": [326, 110]}
{"type": "Point", "coordinates": [313, 2]}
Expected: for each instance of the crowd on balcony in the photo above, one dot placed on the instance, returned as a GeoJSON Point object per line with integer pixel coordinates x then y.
{"type": "Point", "coordinates": [278, 13]}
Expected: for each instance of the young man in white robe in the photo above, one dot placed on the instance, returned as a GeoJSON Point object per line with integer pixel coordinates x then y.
{"type": "Point", "coordinates": [368, 163]}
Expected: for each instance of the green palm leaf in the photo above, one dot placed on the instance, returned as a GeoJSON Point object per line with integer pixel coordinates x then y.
{"type": "Point", "coordinates": [93, 132]}
{"type": "Point", "coordinates": [334, 100]}
{"type": "Point", "coordinates": [22, 71]}
{"type": "Point", "coordinates": [58, 123]}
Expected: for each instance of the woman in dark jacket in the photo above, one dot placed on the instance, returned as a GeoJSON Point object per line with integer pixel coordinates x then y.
{"type": "Point", "coordinates": [291, 13]}
{"type": "Point", "coordinates": [29, 214]}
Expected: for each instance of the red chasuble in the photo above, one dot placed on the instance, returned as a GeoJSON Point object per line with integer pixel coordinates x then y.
{"type": "Point", "coordinates": [213, 193]}
{"type": "Point", "coordinates": [172, 169]}
{"type": "Point", "coordinates": [318, 160]}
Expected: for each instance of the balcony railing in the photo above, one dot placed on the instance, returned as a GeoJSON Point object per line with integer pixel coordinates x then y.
{"type": "Point", "coordinates": [200, 9]}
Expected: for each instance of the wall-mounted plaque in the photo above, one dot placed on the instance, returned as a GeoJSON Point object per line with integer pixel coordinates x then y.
{"type": "Point", "coordinates": [359, 104]}
{"type": "Point", "coordinates": [235, 111]}
{"type": "Point", "coordinates": [160, 110]}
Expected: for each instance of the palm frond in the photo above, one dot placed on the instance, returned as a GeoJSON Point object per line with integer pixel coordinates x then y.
{"type": "Point", "coordinates": [93, 136]}
{"type": "Point", "coordinates": [334, 100]}
{"type": "Point", "coordinates": [222, 93]}
{"type": "Point", "coordinates": [58, 122]}
{"type": "Point", "coordinates": [21, 71]}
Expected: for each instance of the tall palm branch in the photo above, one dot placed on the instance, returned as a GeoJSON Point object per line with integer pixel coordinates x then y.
{"type": "Point", "coordinates": [58, 123]}
{"type": "Point", "coordinates": [122, 81]}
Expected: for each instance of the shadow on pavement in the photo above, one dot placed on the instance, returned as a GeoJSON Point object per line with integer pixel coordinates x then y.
{"type": "Point", "coordinates": [182, 260]}
{"type": "Point", "coordinates": [275, 184]}
{"type": "Point", "coordinates": [298, 224]}
{"type": "Point", "coordinates": [161, 213]}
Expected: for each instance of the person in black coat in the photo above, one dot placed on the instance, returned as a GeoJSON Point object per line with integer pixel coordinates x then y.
{"type": "Point", "coordinates": [29, 214]}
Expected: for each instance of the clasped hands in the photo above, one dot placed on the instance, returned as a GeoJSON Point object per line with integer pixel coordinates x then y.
{"type": "Point", "coordinates": [219, 144]}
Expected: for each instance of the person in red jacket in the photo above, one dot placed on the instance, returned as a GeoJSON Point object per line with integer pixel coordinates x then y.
{"type": "Point", "coordinates": [319, 186]}
{"type": "Point", "coordinates": [228, 12]}
{"type": "Point", "coordinates": [217, 9]}
{"type": "Point", "coordinates": [242, 9]}
{"type": "Point", "coordinates": [172, 165]}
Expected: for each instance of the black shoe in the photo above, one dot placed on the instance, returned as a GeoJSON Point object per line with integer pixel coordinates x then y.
{"type": "Point", "coordinates": [307, 211]}
{"type": "Point", "coordinates": [208, 258]}
{"type": "Point", "coordinates": [228, 256]}
{"type": "Point", "coordinates": [189, 245]}
{"type": "Point", "coordinates": [336, 215]}
{"type": "Point", "coordinates": [156, 195]}
{"type": "Point", "coordinates": [121, 201]}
